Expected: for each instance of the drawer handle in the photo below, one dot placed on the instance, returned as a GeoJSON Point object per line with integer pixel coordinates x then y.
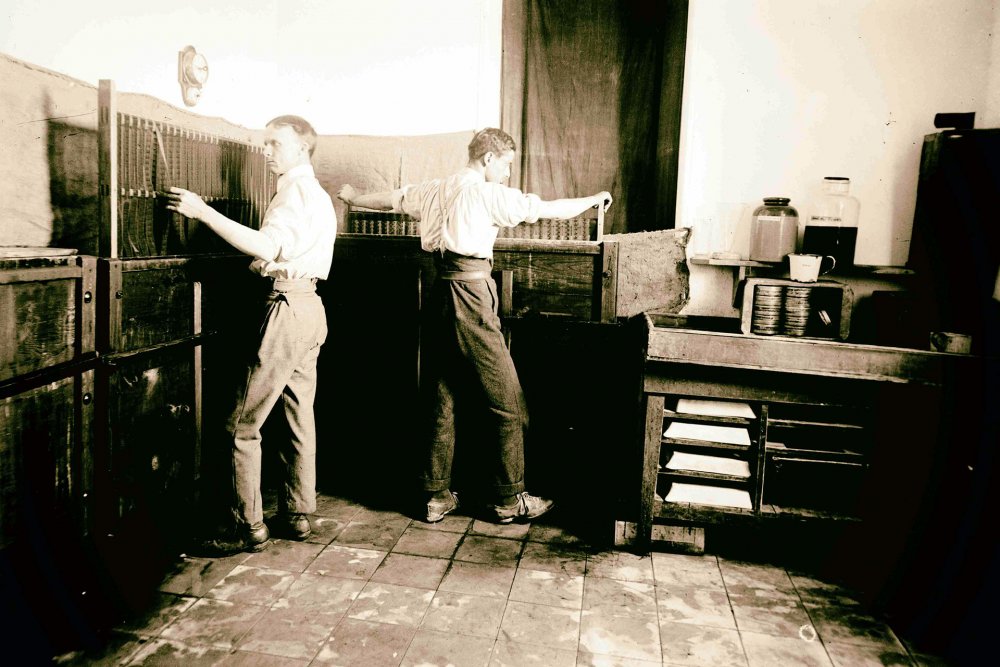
{"type": "Point", "coordinates": [87, 398]}
{"type": "Point", "coordinates": [87, 297]}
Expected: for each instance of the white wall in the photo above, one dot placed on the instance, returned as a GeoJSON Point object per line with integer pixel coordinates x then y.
{"type": "Point", "coordinates": [779, 93]}
{"type": "Point", "coordinates": [391, 67]}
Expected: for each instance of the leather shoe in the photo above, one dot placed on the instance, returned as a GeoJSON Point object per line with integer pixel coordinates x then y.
{"type": "Point", "coordinates": [293, 526]}
{"type": "Point", "coordinates": [438, 509]}
{"type": "Point", "coordinates": [525, 508]}
{"type": "Point", "coordinates": [245, 538]}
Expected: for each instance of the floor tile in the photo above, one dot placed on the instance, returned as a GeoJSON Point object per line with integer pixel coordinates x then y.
{"type": "Point", "coordinates": [553, 557]}
{"type": "Point", "coordinates": [195, 576]}
{"type": "Point", "coordinates": [549, 588]}
{"type": "Point", "coordinates": [285, 555]}
{"type": "Point", "coordinates": [164, 608]}
{"type": "Point", "coordinates": [464, 614]}
{"type": "Point", "coordinates": [406, 570]}
{"type": "Point", "coordinates": [297, 632]}
{"type": "Point", "coordinates": [767, 651]}
{"type": "Point", "coordinates": [166, 652]}
{"type": "Point", "coordinates": [542, 532]}
{"type": "Point", "coordinates": [353, 643]}
{"type": "Point", "coordinates": [695, 605]}
{"type": "Point", "coordinates": [852, 655]}
{"type": "Point", "coordinates": [325, 529]}
{"type": "Point", "coordinates": [512, 531]}
{"type": "Point", "coordinates": [417, 541]}
{"type": "Point", "coordinates": [389, 603]}
{"type": "Point", "coordinates": [333, 506]}
{"type": "Point", "coordinates": [251, 659]}
{"type": "Point", "coordinates": [621, 565]}
{"type": "Point", "coordinates": [444, 649]}
{"type": "Point", "coordinates": [627, 637]}
{"type": "Point", "coordinates": [373, 530]}
{"type": "Point", "coordinates": [700, 646]}
{"type": "Point", "coordinates": [350, 562]}
{"type": "Point", "coordinates": [780, 617]}
{"type": "Point", "coordinates": [850, 625]}
{"type": "Point", "coordinates": [767, 579]}
{"type": "Point", "coordinates": [482, 549]}
{"type": "Point", "coordinates": [678, 570]}
{"type": "Point", "coordinates": [479, 579]}
{"type": "Point", "coordinates": [216, 623]}
{"type": "Point", "coordinates": [252, 585]}
{"type": "Point", "coordinates": [118, 649]}
{"type": "Point", "coordinates": [585, 659]}
{"type": "Point", "coordinates": [611, 597]}
{"type": "Point", "coordinates": [816, 591]}
{"type": "Point", "coordinates": [554, 627]}
{"type": "Point", "coordinates": [513, 654]}
{"type": "Point", "coordinates": [321, 593]}
{"type": "Point", "coordinates": [453, 523]}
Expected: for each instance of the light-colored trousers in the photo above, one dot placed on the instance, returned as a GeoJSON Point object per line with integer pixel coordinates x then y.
{"type": "Point", "coordinates": [293, 329]}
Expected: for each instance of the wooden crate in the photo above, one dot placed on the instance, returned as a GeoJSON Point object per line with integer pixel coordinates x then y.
{"type": "Point", "coordinates": [148, 446]}
{"type": "Point", "coordinates": [149, 302]}
{"type": "Point", "coordinates": [47, 312]}
{"type": "Point", "coordinates": [828, 296]}
{"type": "Point", "coordinates": [46, 470]}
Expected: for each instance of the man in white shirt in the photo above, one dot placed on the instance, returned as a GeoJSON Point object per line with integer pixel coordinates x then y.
{"type": "Point", "coordinates": [292, 250]}
{"type": "Point", "coordinates": [462, 344]}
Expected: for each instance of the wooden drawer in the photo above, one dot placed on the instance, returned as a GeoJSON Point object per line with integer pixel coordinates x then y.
{"type": "Point", "coordinates": [47, 311]}
{"type": "Point", "coordinates": [46, 479]}
{"type": "Point", "coordinates": [149, 447]}
{"type": "Point", "coordinates": [149, 302]}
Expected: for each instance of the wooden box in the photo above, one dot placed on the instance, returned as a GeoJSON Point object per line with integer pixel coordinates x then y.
{"type": "Point", "coordinates": [46, 480]}
{"type": "Point", "coordinates": [829, 314]}
{"type": "Point", "coordinates": [47, 312]}
{"type": "Point", "coordinates": [149, 302]}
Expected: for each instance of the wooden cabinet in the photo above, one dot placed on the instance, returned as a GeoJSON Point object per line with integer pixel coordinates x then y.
{"type": "Point", "coordinates": [791, 429]}
{"type": "Point", "coordinates": [47, 361]}
{"type": "Point", "coordinates": [46, 466]}
{"type": "Point", "coordinates": [47, 312]}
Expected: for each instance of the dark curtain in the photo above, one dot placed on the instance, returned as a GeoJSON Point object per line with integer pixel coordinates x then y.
{"type": "Point", "coordinates": [592, 92]}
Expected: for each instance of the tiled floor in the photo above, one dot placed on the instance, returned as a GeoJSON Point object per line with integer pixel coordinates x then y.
{"type": "Point", "coordinates": [375, 588]}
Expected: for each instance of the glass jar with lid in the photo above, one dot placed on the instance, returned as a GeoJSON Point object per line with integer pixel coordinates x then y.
{"type": "Point", "coordinates": [774, 229]}
{"type": "Point", "coordinates": [832, 225]}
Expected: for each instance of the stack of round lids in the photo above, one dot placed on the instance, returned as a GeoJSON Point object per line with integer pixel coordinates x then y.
{"type": "Point", "coordinates": [766, 318]}
{"type": "Point", "coordinates": [795, 312]}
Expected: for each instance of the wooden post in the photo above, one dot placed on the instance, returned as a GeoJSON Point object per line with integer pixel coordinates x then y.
{"type": "Point", "coordinates": [107, 167]}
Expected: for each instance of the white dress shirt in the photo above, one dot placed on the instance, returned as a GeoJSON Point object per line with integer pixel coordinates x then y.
{"type": "Point", "coordinates": [463, 213]}
{"type": "Point", "coordinates": [301, 222]}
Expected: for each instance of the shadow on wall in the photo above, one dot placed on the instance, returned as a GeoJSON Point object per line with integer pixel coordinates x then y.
{"type": "Point", "coordinates": [72, 153]}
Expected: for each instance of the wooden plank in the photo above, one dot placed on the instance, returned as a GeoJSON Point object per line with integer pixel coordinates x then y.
{"type": "Point", "coordinates": [759, 459]}
{"type": "Point", "coordinates": [86, 306]}
{"type": "Point", "coordinates": [39, 322]}
{"type": "Point", "coordinates": [606, 305]}
{"type": "Point", "coordinates": [650, 464]}
{"type": "Point", "coordinates": [107, 167]}
{"type": "Point", "coordinates": [812, 357]}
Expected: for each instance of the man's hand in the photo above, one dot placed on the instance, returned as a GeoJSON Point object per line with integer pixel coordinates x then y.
{"type": "Point", "coordinates": [187, 203]}
{"type": "Point", "coordinates": [604, 199]}
{"type": "Point", "coordinates": [347, 194]}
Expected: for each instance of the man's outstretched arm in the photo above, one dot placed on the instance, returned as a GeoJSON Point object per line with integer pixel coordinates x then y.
{"type": "Point", "coordinates": [562, 209]}
{"type": "Point", "coordinates": [381, 201]}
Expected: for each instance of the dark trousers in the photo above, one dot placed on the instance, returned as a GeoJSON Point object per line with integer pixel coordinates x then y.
{"type": "Point", "coordinates": [465, 362]}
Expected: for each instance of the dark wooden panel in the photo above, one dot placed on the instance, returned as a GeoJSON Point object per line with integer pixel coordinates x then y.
{"type": "Point", "coordinates": [150, 429]}
{"type": "Point", "coordinates": [46, 313]}
{"type": "Point", "coordinates": [550, 284]}
{"type": "Point", "coordinates": [45, 463]}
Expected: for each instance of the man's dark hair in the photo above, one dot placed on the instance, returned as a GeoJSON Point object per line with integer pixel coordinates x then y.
{"type": "Point", "coordinates": [301, 127]}
{"type": "Point", "coordinates": [490, 140]}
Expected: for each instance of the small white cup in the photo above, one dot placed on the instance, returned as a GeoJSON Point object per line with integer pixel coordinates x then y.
{"type": "Point", "coordinates": [806, 268]}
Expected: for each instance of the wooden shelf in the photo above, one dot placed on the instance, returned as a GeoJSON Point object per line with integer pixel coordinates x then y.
{"type": "Point", "coordinates": [728, 481]}
{"type": "Point", "coordinates": [803, 514]}
{"type": "Point", "coordinates": [705, 445]}
{"type": "Point", "coordinates": [707, 419]}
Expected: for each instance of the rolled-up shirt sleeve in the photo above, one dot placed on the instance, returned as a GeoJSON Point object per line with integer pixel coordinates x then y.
{"type": "Point", "coordinates": [287, 225]}
{"type": "Point", "coordinates": [510, 206]}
